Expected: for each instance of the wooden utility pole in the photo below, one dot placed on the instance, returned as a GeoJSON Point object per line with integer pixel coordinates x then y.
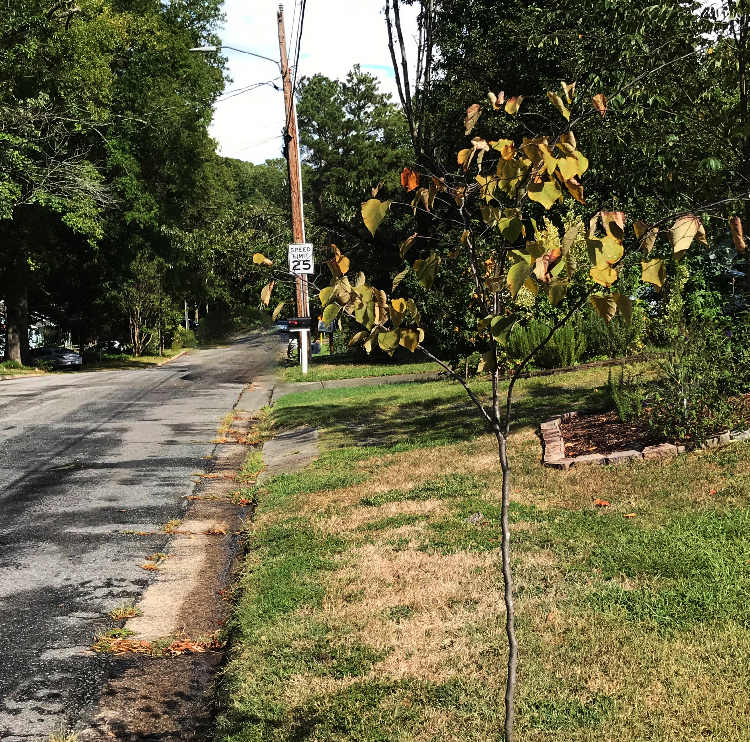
{"type": "Point", "coordinates": [293, 161]}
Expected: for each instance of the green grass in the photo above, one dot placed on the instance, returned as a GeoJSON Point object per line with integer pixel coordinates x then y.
{"type": "Point", "coordinates": [370, 609]}
{"type": "Point", "coordinates": [327, 368]}
{"type": "Point", "coordinates": [13, 368]}
{"type": "Point", "coordinates": [119, 362]}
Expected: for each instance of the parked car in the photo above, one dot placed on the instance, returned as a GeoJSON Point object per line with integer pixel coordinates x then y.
{"type": "Point", "coordinates": [58, 357]}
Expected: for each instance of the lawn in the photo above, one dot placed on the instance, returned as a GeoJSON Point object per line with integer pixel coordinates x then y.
{"type": "Point", "coordinates": [327, 368]}
{"type": "Point", "coordinates": [370, 609]}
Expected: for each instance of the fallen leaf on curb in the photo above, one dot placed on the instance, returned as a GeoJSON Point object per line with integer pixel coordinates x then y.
{"type": "Point", "coordinates": [601, 503]}
{"type": "Point", "coordinates": [712, 492]}
{"type": "Point", "coordinates": [629, 515]}
{"type": "Point", "coordinates": [150, 567]}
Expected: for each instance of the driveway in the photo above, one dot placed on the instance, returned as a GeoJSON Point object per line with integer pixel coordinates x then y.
{"type": "Point", "coordinates": [87, 462]}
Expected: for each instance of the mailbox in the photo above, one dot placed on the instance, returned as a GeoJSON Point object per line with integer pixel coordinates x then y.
{"type": "Point", "coordinates": [296, 324]}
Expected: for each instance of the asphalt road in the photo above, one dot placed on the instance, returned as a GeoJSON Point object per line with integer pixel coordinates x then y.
{"type": "Point", "coordinates": [86, 461]}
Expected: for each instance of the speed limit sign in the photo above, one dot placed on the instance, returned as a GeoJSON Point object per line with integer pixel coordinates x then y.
{"type": "Point", "coordinates": [301, 258]}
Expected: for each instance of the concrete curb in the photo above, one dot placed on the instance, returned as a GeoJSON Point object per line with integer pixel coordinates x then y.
{"type": "Point", "coordinates": [173, 358]}
{"type": "Point", "coordinates": [35, 375]}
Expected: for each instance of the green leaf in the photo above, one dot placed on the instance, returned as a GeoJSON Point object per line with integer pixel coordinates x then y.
{"type": "Point", "coordinates": [365, 314]}
{"type": "Point", "coordinates": [501, 326]}
{"type": "Point", "coordinates": [488, 362]}
{"type": "Point", "coordinates": [331, 312]}
{"type": "Point", "coordinates": [373, 212]}
{"type": "Point", "coordinates": [557, 291]}
{"type": "Point", "coordinates": [326, 294]}
{"type": "Point", "coordinates": [510, 226]}
{"type": "Point", "coordinates": [389, 341]}
{"type": "Point", "coordinates": [517, 274]}
{"type": "Point", "coordinates": [427, 270]}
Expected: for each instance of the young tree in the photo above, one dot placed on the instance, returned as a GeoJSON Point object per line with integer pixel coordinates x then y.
{"type": "Point", "coordinates": [487, 208]}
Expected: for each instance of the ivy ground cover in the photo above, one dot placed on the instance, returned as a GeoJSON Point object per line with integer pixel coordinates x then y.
{"type": "Point", "coordinates": [370, 608]}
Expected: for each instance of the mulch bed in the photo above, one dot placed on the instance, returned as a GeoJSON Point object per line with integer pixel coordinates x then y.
{"type": "Point", "coordinates": [604, 433]}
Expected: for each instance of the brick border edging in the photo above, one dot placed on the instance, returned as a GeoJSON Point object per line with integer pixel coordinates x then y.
{"type": "Point", "coordinates": [554, 446]}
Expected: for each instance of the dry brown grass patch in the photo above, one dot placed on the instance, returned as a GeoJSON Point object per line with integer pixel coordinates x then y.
{"type": "Point", "coordinates": [447, 594]}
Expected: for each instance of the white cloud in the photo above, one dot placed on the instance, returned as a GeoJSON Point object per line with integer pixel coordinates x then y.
{"type": "Point", "coordinates": [337, 34]}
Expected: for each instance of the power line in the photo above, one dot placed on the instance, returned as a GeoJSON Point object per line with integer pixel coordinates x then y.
{"type": "Point", "coordinates": [238, 91]}
{"type": "Point", "coordinates": [257, 144]}
{"type": "Point", "coordinates": [299, 44]}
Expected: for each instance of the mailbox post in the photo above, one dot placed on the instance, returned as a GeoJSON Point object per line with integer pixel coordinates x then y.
{"type": "Point", "coordinates": [302, 325]}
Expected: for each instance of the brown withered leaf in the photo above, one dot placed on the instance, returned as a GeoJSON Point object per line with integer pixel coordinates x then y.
{"type": "Point", "coordinates": [473, 112]}
{"type": "Point", "coordinates": [600, 103]}
{"type": "Point", "coordinates": [409, 179]}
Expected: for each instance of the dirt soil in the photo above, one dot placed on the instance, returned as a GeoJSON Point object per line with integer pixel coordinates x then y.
{"type": "Point", "coordinates": [604, 433]}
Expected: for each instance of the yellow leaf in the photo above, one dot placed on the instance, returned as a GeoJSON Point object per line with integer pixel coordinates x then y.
{"type": "Point", "coordinates": [686, 229]}
{"type": "Point", "coordinates": [605, 249]}
{"type": "Point", "coordinates": [605, 306]}
{"type": "Point", "coordinates": [359, 336]}
{"type": "Point", "coordinates": [558, 103]}
{"type": "Point", "coordinates": [265, 294]}
{"type": "Point", "coordinates": [464, 157]}
{"type": "Point", "coordinates": [568, 166]}
{"type": "Point", "coordinates": [568, 90]}
{"type": "Point", "coordinates": [409, 339]}
{"type": "Point", "coordinates": [513, 104]}
{"type": "Point", "coordinates": [557, 292]}
{"type": "Point", "coordinates": [330, 313]}
{"type": "Point", "coordinates": [277, 311]}
{"type": "Point", "coordinates": [531, 285]}
{"type": "Point", "coordinates": [625, 305]}
{"type": "Point", "coordinates": [487, 184]}
{"type": "Point", "coordinates": [405, 246]}
{"type": "Point", "coordinates": [654, 272]}
{"type": "Point", "coordinates": [399, 305]}
{"type": "Point", "coordinates": [260, 259]}
{"type": "Point", "coordinates": [614, 223]}
{"type": "Point", "coordinates": [545, 192]}
{"type": "Point", "coordinates": [373, 212]}
{"type": "Point", "coordinates": [604, 274]}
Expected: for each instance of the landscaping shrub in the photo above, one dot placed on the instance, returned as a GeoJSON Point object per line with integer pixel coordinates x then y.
{"type": "Point", "coordinates": [566, 349]}
{"type": "Point", "coordinates": [627, 395]}
{"type": "Point", "coordinates": [616, 338]}
{"type": "Point", "coordinates": [11, 366]}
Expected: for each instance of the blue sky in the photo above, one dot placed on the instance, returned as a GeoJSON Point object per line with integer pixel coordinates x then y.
{"type": "Point", "coordinates": [337, 34]}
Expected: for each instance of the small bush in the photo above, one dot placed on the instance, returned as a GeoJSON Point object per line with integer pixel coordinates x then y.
{"type": "Point", "coordinates": [565, 349]}
{"type": "Point", "coordinates": [184, 338]}
{"type": "Point", "coordinates": [626, 395]}
{"type": "Point", "coordinates": [11, 366]}
{"type": "Point", "coordinates": [614, 339]}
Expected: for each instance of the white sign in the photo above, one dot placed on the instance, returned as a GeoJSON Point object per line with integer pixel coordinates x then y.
{"type": "Point", "coordinates": [301, 258]}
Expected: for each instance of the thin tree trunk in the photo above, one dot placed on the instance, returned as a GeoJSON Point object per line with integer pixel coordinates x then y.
{"type": "Point", "coordinates": [510, 611]}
